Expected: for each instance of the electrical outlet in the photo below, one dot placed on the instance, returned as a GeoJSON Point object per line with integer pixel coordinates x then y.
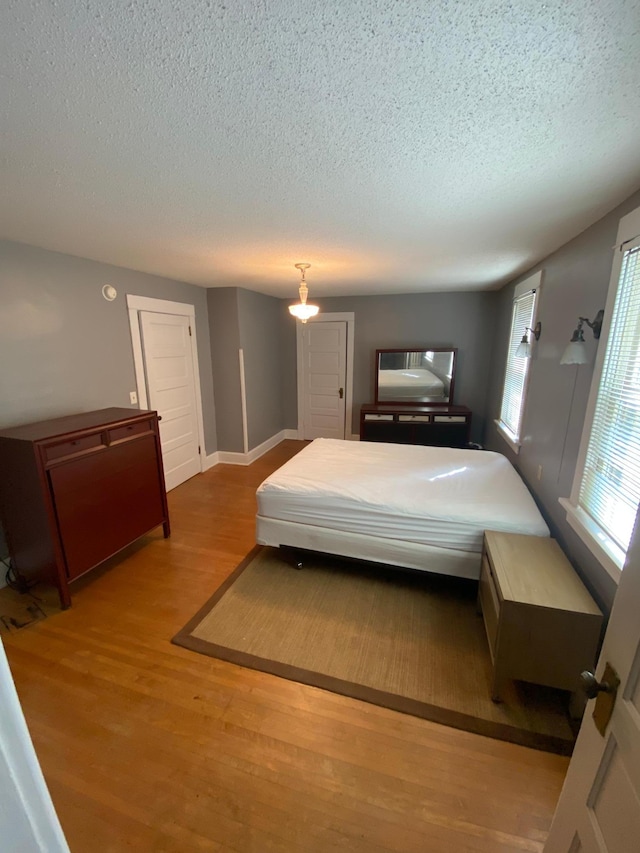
{"type": "Point", "coordinates": [133, 399]}
{"type": "Point", "coordinates": [539, 473]}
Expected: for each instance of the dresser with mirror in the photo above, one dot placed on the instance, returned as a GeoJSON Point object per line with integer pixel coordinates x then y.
{"type": "Point", "coordinates": [413, 401]}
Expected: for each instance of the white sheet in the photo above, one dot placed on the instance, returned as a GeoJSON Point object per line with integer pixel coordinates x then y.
{"type": "Point", "coordinates": [409, 382]}
{"type": "Point", "coordinates": [438, 496]}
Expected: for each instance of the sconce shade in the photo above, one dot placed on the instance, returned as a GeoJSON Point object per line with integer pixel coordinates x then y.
{"type": "Point", "coordinates": [524, 348]}
{"type": "Point", "coordinates": [576, 351]}
{"type": "Point", "coordinates": [302, 310]}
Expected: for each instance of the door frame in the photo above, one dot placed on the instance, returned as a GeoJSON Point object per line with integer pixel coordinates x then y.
{"type": "Point", "coordinates": [24, 779]}
{"type": "Point", "coordinates": [349, 318]}
{"type": "Point", "coordinates": [135, 304]}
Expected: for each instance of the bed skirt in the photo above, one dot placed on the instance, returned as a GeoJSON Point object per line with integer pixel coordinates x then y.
{"type": "Point", "coordinates": [395, 552]}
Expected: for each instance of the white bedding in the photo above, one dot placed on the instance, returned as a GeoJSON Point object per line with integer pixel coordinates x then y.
{"type": "Point", "coordinates": [432, 496]}
{"type": "Point", "coordinates": [409, 382]}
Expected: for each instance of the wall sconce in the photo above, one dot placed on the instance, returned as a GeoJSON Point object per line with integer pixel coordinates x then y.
{"type": "Point", "coordinates": [524, 347]}
{"type": "Point", "coordinates": [301, 310]}
{"type": "Point", "coordinates": [576, 351]}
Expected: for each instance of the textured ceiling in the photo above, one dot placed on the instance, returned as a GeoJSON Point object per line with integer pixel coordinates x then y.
{"type": "Point", "coordinates": [396, 146]}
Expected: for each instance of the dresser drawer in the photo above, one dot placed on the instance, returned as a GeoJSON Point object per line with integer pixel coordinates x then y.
{"type": "Point", "coordinates": [490, 601]}
{"type": "Point", "coordinates": [73, 447]}
{"type": "Point", "coordinates": [129, 431]}
{"type": "Point", "coordinates": [449, 419]}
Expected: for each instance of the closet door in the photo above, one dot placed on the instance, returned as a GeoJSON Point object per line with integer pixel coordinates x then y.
{"type": "Point", "coordinates": [168, 361]}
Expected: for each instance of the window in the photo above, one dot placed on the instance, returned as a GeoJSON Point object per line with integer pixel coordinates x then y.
{"type": "Point", "coordinates": [606, 489]}
{"type": "Point", "coordinates": [514, 392]}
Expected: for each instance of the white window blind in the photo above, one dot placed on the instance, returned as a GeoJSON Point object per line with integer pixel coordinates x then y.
{"type": "Point", "coordinates": [524, 307]}
{"type": "Point", "coordinates": [610, 488]}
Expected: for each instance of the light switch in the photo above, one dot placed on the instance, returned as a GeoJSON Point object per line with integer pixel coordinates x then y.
{"type": "Point", "coordinates": [133, 398]}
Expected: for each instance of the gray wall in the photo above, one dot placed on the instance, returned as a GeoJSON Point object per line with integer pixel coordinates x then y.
{"type": "Point", "coordinates": [574, 283]}
{"type": "Point", "coordinates": [260, 319]}
{"type": "Point", "coordinates": [244, 319]}
{"type": "Point", "coordinates": [415, 321]}
{"type": "Point", "coordinates": [64, 348]}
{"type": "Point", "coordinates": [224, 330]}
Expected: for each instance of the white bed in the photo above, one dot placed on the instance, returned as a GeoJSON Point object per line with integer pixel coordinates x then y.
{"type": "Point", "coordinates": [420, 507]}
{"type": "Point", "coordinates": [409, 383]}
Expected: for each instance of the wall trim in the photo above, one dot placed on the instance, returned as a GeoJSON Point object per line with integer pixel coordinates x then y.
{"type": "Point", "coordinates": [229, 457]}
{"type": "Point", "coordinates": [210, 461]}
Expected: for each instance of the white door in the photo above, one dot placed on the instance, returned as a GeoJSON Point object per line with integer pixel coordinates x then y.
{"type": "Point", "coordinates": [599, 808]}
{"type": "Point", "coordinates": [324, 371]}
{"type": "Point", "coordinates": [168, 361]}
{"type": "Point", "coordinates": [28, 821]}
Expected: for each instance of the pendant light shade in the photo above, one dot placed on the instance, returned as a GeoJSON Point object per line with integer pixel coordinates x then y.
{"type": "Point", "coordinates": [302, 310]}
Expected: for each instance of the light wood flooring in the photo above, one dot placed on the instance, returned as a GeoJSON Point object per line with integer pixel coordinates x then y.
{"type": "Point", "coordinates": [149, 747]}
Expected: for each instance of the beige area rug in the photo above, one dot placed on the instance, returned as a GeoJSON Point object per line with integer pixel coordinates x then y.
{"type": "Point", "coordinates": [410, 641]}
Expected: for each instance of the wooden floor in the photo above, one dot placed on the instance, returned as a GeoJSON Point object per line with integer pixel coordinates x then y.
{"type": "Point", "coordinates": [149, 747]}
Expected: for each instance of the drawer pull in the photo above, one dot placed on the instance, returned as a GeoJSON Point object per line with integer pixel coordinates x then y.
{"type": "Point", "coordinates": [118, 433]}
{"type": "Point", "coordinates": [73, 446]}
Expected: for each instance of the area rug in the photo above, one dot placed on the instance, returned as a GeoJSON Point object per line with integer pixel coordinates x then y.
{"type": "Point", "coordinates": [410, 641]}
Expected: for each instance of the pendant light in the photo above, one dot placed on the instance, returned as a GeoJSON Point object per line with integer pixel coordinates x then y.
{"type": "Point", "coordinates": [301, 310]}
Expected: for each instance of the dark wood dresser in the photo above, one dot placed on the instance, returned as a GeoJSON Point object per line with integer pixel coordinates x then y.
{"type": "Point", "coordinates": [78, 489]}
{"type": "Point", "coordinates": [446, 426]}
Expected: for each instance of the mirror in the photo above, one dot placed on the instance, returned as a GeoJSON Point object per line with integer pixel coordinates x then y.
{"type": "Point", "coordinates": [415, 376]}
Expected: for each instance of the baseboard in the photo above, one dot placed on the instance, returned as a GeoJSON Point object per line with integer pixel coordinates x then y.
{"type": "Point", "coordinates": [232, 458]}
{"type": "Point", "coordinates": [210, 461]}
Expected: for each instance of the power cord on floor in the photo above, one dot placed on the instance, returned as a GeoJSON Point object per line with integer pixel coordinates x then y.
{"type": "Point", "coordinates": [14, 579]}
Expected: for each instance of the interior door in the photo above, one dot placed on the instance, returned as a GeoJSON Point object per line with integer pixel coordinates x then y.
{"type": "Point", "coordinates": [599, 808]}
{"type": "Point", "coordinates": [28, 821]}
{"type": "Point", "coordinates": [168, 360]}
{"type": "Point", "coordinates": [324, 347]}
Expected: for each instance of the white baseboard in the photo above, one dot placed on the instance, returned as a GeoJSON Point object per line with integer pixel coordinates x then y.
{"type": "Point", "coordinates": [210, 461]}
{"type": "Point", "coordinates": [231, 458]}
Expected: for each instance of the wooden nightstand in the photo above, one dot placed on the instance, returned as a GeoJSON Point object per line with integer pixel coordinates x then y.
{"type": "Point", "coordinates": [541, 622]}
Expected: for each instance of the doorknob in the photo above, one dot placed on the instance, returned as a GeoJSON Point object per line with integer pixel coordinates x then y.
{"type": "Point", "coordinates": [591, 686]}
{"type": "Point", "coordinates": [341, 393]}
{"type": "Point", "coordinates": [604, 692]}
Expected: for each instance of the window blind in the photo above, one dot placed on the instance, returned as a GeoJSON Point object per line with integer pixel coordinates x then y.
{"type": "Point", "coordinates": [610, 487]}
{"type": "Point", "coordinates": [517, 368]}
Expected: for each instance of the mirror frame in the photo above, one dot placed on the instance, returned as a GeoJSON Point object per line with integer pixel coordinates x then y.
{"type": "Point", "coordinates": [449, 402]}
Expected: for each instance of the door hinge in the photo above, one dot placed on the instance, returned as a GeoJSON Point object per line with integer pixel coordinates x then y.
{"type": "Point", "coordinates": [189, 330]}
{"type": "Point", "coordinates": [199, 451]}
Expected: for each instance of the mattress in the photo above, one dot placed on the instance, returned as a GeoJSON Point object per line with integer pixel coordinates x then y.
{"type": "Point", "coordinates": [396, 384]}
{"type": "Point", "coordinates": [436, 496]}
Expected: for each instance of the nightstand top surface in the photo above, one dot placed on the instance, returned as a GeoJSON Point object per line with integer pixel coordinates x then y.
{"type": "Point", "coordinates": [534, 570]}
